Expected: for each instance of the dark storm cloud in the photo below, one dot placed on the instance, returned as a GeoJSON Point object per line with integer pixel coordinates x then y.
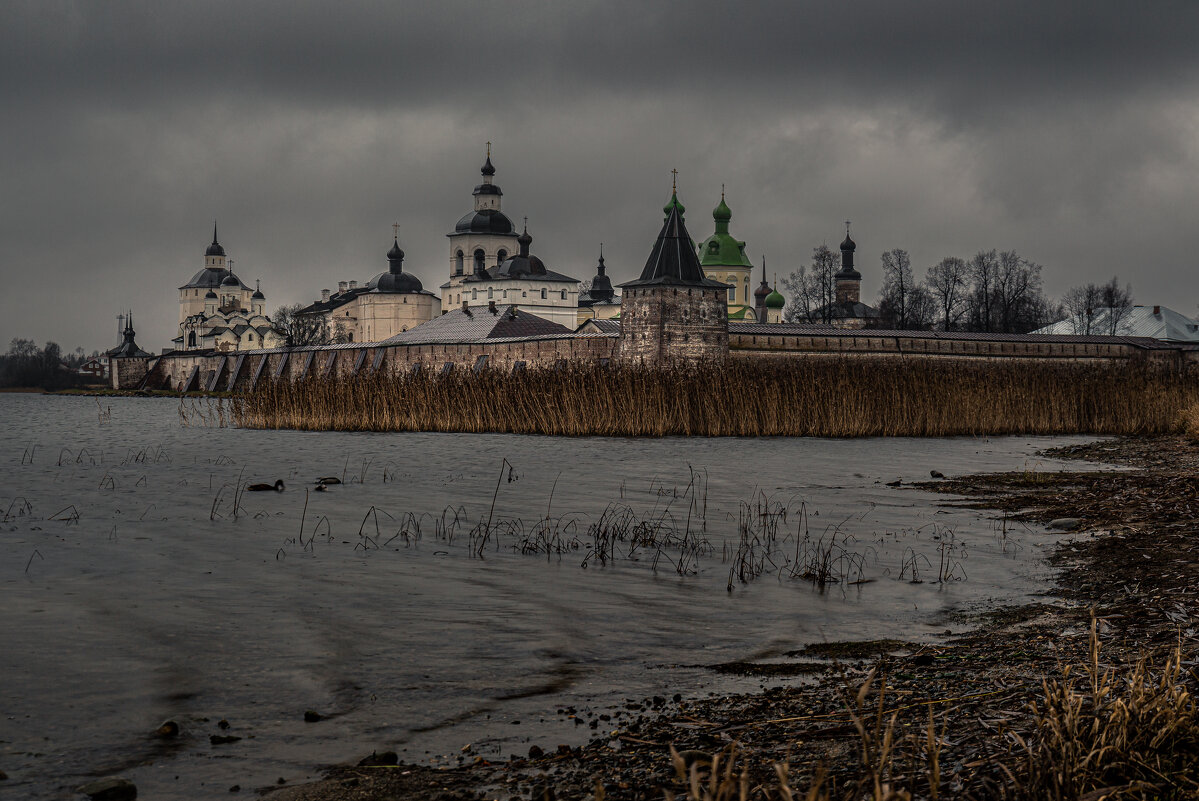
{"type": "Point", "coordinates": [1064, 130]}
{"type": "Point", "coordinates": [947, 54]}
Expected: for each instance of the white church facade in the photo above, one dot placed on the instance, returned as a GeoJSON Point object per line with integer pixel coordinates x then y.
{"type": "Point", "coordinates": [217, 311]}
{"type": "Point", "coordinates": [489, 261]}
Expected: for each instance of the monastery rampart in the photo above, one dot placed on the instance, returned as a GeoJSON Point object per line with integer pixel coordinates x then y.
{"type": "Point", "coordinates": [241, 371]}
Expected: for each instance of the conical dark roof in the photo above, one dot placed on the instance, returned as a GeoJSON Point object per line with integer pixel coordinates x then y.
{"type": "Point", "coordinates": [673, 261]}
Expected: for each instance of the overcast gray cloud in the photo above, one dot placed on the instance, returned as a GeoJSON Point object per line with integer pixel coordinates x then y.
{"type": "Point", "coordinates": [1067, 132]}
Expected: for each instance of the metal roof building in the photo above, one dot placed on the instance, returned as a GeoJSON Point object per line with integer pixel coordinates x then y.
{"type": "Point", "coordinates": [1155, 322]}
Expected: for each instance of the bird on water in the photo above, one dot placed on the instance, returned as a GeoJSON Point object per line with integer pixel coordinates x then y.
{"type": "Point", "coordinates": [276, 487]}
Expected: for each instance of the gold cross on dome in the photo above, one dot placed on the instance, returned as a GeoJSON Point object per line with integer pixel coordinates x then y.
{"type": "Point", "coordinates": [489, 150]}
{"type": "Point", "coordinates": [395, 228]}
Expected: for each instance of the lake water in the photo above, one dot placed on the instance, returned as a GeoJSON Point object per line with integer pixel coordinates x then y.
{"type": "Point", "coordinates": [132, 593]}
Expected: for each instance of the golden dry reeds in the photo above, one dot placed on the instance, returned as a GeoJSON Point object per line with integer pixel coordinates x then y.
{"type": "Point", "coordinates": [1130, 731]}
{"type": "Point", "coordinates": [1190, 422]}
{"type": "Point", "coordinates": [760, 397]}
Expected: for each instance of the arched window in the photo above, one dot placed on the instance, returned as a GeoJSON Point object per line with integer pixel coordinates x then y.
{"type": "Point", "coordinates": [458, 263]}
{"type": "Point", "coordinates": [733, 294]}
{"type": "Point", "coordinates": [474, 294]}
{"type": "Point", "coordinates": [564, 294]}
{"type": "Point", "coordinates": [479, 256]}
{"type": "Point", "coordinates": [544, 294]}
{"type": "Point", "coordinates": [490, 292]}
{"type": "Point", "coordinates": [191, 339]}
{"type": "Point", "coordinates": [502, 256]}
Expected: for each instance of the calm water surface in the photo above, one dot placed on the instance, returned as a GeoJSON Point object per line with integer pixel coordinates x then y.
{"type": "Point", "coordinates": [131, 594]}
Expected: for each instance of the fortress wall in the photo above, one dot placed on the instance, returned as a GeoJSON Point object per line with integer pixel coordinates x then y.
{"type": "Point", "coordinates": [173, 370]}
{"type": "Point", "coordinates": [863, 344]}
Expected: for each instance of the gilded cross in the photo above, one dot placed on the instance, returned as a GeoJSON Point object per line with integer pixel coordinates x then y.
{"type": "Point", "coordinates": [395, 229]}
{"type": "Point", "coordinates": [489, 150]}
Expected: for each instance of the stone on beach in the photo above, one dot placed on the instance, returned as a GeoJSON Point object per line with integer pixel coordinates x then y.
{"type": "Point", "coordinates": [113, 788]}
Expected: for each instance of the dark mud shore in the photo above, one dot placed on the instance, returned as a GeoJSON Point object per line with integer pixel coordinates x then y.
{"type": "Point", "coordinates": [1130, 572]}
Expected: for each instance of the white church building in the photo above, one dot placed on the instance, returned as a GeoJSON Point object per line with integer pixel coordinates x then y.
{"type": "Point", "coordinates": [489, 261]}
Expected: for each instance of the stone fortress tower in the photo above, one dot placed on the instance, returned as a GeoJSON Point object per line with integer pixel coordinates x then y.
{"type": "Point", "coordinates": [672, 313]}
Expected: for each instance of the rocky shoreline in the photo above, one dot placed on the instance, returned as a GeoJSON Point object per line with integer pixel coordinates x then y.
{"type": "Point", "coordinates": [1129, 574]}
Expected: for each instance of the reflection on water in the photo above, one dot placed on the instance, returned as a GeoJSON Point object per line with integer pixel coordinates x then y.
{"type": "Point", "coordinates": [133, 594]}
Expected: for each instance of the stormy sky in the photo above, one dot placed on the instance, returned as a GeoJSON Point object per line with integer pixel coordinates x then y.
{"type": "Point", "coordinates": [1066, 131]}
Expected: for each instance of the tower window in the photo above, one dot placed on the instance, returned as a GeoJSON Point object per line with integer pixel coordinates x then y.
{"type": "Point", "coordinates": [502, 256]}
{"type": "Point", "coordinates": [479, 256]}
{"type": "Point", "coordinates": [458, 263]}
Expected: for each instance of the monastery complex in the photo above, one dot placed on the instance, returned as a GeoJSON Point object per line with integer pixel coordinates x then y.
{"type": "Point", "coordinates": [502, 307]}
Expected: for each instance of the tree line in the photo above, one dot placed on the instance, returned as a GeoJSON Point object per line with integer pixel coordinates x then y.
{"type": "Point", "coordinates": [994, 291]}
{"type": "Point", "coordinates": [27, 365]}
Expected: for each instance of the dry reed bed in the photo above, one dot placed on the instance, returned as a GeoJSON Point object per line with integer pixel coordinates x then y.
{"type": "Point", "coordinates": [767, 397]}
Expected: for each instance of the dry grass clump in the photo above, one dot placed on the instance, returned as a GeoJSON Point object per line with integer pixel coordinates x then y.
{"type": "Point", "coordinates": [1096, 732]}
{"type": "Point", "coordinates": [1190, 422]}
{"type": "Point", "coordinates": [745, 397]}
{"type": "Point", "coordinates": [1107, 733]}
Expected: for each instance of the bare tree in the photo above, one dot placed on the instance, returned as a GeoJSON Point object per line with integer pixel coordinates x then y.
{"type": "Point", "coordinates": [1017, 293]}
{"type": "Point", "coordinates": [1118, 301]}
{"type": "Point", "coordinates": [1081, 304]}
{"type": "Point", "coordinates": [799, 306]}
{"type": "Point", "coordinates": [822, 279]}
{"type": "Point", "coordinates": [947, 284]}
{"type": "Point", "coordinates": [983, 266]}
{"type": "Point", "coordinates": [340, 334]}
{"type": "Point", "coordinates": [898, 283]}
{"type": "Point", "coordinates": [812, 289]}
{"type": "Point", "coordinates": [922, 309]}
{"type": "Point", "coordinates": [301, 329]}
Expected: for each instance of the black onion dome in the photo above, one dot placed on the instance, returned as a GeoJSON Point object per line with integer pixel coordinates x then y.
{"type": "Point", "coordinates": [210, 296]}
{"type": "Point", "coordinates": [395, 254]}
{"type": "Point", "coordinates": [258, 295]}
{"type": "Point", "coordinates": [230, 280]}
{"type": "Point", "coordinates": [395, 283]}
{"type": "Point", "coordinates": [847, 271]}
{"type": "Point", "coordinates": [488, 168]}
{"type": "Point", "coordinates": [523, 263]}
{"type": "Point", "coordinates": [487, 221]}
